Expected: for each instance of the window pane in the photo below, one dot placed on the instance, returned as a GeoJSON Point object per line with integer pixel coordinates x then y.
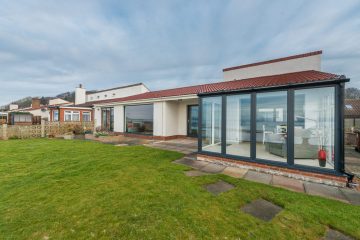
{"type": "Point", "coordinates": [67, 116]}
{"type": "Point", "coordinates": [211, 124]}
{"type": "Point", "coordinates": [86, 117]}
{"type": "Point", "coordinates": [76, 116]}
{"type": "Point", "coordinates": [357, 123]}
{"type": "Point", "coordinates": [139, 119]}
{"type": "Point", "coordinates": [56, 115]}
{"type": "Point", "coordinates": [314, 132]}
{"type": "Point", "coordinates": [271, 126]}
{"type": "Point", "coordinates": [238, 124]}
{"type": "Point", "coordinates": [349, 123]}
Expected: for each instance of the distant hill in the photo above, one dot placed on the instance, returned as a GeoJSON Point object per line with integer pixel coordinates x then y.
{"type": "Point", "coordinates": [26, 101]}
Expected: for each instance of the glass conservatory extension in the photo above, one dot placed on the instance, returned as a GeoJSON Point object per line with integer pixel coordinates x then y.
{"type": "Point", "coordinates": [292, 127]}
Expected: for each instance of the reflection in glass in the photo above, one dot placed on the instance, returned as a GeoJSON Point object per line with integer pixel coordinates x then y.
{"type": "Point", "coordinates": [238, 124]}
{"type": "Point", "coordinates": [271, 126]}
{"type": "Point", "coordinates": [139, 119]}
{"type": "Point", "coordinates": [211, 124]}
{"type": "Point", "coordinates": [314, 123]}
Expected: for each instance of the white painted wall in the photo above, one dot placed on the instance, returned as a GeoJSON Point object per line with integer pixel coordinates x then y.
{"type": "Point", "coordinates": [80, 95]}
{"type": "Point", "coordinates": [117, 93]}
{"type": "Point", "coordinates": [119, 125]}
{"type": "Point", "coordinates": [13, 107]}
{"type": "Point", "coordinates": [171, 118]}
{"type": "Point", "coordinates": [158, 119]}
{"type": "Point", "coordinates": [43, 113]}
{"type": "Point", "coordinates": [97, 116]}
{"type": "Point", "coordinates": [293, 65]}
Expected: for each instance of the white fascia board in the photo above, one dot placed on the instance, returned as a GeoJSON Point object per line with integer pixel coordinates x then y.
{"type": "Point", "coordinates": [81, 108]}
{"type": "Point", "coordinates": [149, 100]}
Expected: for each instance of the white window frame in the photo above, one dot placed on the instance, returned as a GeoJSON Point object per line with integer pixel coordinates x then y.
{"type": "Point", "coordinates": [58, 115]}
{"type": "Point", "coordinates": [72, 113]}
{"type": "Point", "coordinates": [87, 112]}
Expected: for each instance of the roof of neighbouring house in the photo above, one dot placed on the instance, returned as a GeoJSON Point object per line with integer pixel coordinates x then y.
{"type": "Point", "coordinates": [352, 108]}
{"type": "Point", "coordinates": [304, 77]}
{"type": "Point", "coordinates": [274, 60]}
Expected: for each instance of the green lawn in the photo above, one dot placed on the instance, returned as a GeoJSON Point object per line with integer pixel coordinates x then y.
{"type": "Point", "coordinates": [55, 189]}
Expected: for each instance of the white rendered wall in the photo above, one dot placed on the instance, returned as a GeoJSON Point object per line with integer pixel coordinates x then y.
{"type": "Point", "coordinates": [117, 93]}
{"type": "Point", "coordinates": [171, 118]}
{"type": "Point", "coordinates": [119, 125]}
{"type": "Point", "coordinates": [158, 119]}
{"type": "Point", "coordinates": [293, 65]}
{"type": "Point", "coordinates": [97, 117]}
{"type": "Point", "coordinates": [80, 95]}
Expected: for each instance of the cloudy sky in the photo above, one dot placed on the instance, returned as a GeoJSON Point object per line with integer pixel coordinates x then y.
{"type": "Point", "coordinates": [49, 47]}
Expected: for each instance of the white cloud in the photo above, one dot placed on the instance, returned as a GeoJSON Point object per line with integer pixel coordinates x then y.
{"type": "Point", "coordinates": [47, 47]}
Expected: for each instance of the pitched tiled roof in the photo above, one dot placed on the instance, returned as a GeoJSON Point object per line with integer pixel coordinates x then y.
{"type": "Point", "coordinates": [257, 82]}
{"type": "Point", "coordinates": [274, 60]}
{"type": "Point", "coordinates": [352, 108]}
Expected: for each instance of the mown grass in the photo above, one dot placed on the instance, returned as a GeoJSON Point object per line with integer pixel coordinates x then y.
{"type": "Point", "coordinates": [54, 189]}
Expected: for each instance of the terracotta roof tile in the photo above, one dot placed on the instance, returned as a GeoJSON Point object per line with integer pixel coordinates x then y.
{"type": "Point", "coordinates": [352, 108]}
{"type": "Point", "coordinates": [257, 82]}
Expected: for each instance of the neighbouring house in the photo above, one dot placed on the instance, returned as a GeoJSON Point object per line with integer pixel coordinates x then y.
{"type": "Point", "coordinates": [38, 112]}
{"type": "Point", "coordinates": [20, 118]}
{"type": "Point", "coordinates": [283, 114]}
{"type": "Point", "coordinates": [83, 110]}
{"type": "Point", "coordinates": [352, 114]}
{"type": "Point", "coordinates": [3, 117]}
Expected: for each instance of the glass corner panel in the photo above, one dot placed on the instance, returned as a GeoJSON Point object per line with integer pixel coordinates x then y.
{"type": "Point", "coordinates": [314, 127]}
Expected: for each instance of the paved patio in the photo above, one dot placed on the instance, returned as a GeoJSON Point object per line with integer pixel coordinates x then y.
{"type": "Point", "coordinates": [185, 145]}
{"type": "Point", "coordinates": [346, 195]}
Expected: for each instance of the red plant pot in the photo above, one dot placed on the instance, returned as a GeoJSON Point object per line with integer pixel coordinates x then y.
{"type": "Point", "coordinates": [322, 157]}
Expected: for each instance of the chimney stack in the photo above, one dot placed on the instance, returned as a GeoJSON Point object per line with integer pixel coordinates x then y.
{"type": "Point", "coordinates": [80, 95]}
{"type": "Point", "coordinates": [35, 103]}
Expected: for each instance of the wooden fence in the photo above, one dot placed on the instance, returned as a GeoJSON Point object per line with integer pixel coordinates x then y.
{"type": "Point", "coordinates": [45, 129]}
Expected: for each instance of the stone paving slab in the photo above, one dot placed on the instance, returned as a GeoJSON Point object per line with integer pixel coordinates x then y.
{"type": "Point", "coordinates": [258, 177]}
{"type": "Point", "coordinates": [191, 163]}
{"type": "Point", "coordinates": [213, 168]}
{"type": "Point", "coordinates": [324, 191]}
{"type": "Point", "coordinates": [195, 173]}
{"type": "Point", "coordinates": [352, 196]}
{"type": "Point", "coordinates": [234, 172]}
{"type": "Point", "coordinates": [219, 187]}
{"type": "Point", "coordinates": [288, 183]}
{"type": "Point", "coordinates": [262, 209]}
{"type": "Point", "coordinates": [332, 234]}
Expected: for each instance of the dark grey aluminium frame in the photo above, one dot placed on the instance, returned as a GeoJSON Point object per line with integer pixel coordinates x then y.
{"type": "Point", "coordinates": [339, 86]}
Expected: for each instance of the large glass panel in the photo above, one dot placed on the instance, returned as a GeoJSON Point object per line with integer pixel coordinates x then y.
{"type": "Point", "coordinates": [139, 119]}
{"type": "Point", "coordinates": [238, 125]}
{"type": "Point", "coordinates": [107, 119]}
{"type": "Point", "coordinates": [349, 124]}
{"type": "Point", "coordinates": [211, 124]}
{"type": "Point", "coordinates": [314, 122]}
{"type": "Point", "coordinates": [271, 126]}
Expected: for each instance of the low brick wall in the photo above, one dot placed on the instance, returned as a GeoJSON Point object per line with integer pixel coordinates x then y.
{"type": "Point", "coordinates": [327, 179]}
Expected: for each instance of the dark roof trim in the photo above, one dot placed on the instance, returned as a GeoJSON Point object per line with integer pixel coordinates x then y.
{"type": "Point", "coordinates": [110, 89]}
{"type": "Point", "coordinates": [274, 60]}
{"type": "Point", "coordinates": [284, 86]}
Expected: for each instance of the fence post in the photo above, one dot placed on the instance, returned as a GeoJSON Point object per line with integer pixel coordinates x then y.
{"type": "Point", "coordinates": [4, 131]}
{"type": "Point", "coordinates": [42, 128]}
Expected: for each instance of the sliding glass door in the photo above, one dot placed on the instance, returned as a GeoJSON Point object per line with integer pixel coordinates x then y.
{"type": "Point", "coordinates": [238, 125]}
{"type": "Point", "coordinates": [211, 124]}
